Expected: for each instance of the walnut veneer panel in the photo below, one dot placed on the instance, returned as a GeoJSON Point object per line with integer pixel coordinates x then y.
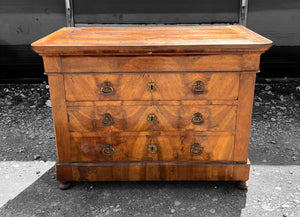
{"type": "Point", "coordinates": [169, 86]}
{"type": "Point", "coordinates": [171, 148]}
{"type": "Point", "coordinates": [167, 118]}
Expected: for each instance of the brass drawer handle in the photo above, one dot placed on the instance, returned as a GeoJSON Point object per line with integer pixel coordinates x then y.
{"type": "Point", "coordinates": [197, 119]}
{"type": "Point", "coordinates": [107, 88]}
{"type": "Point", "coordinates": [152, 148]}
{"type": "Point", "coordinates": [196, 149]}
{"type": "Point", "coordinates": [152, 118]}
{"type": "Point", "coordinates": [108, 150]}
{"type": "Point", "coordinates": [151, 87]}
{"type": "Point", "coordinates": [107, 120]}
{"type": "Point", "coordinates": [198, 87]}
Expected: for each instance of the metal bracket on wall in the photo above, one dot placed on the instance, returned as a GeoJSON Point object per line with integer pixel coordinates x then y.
{"type": "Point", "coordinates": [243, 12]}
{"type": "Point", "coordinates": [69, 13]}
{"type": "Point", "coordinates": [71, 23]}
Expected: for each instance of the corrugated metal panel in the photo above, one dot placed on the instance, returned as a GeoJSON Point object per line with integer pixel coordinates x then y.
{"type": "Point", "coordinates": [278, 20]}
{"type": "Point", "coordinates": [156, 11]}
{"type": "Point", "coordinates": [23, 22]}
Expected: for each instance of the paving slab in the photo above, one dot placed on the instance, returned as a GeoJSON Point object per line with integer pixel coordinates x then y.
{"type": "Point", "coordinates": [273, 191]}
{"type": "Point", "coordinates": [16, 176]}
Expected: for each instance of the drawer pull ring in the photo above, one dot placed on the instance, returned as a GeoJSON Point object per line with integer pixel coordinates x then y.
{"type": "Point", "coordinates": [108, 150]}
{"type": "Point", "coordinates": [107, 120]}
{"type": "Point", "coordinates": [197, 119]}
{"type": "Point", "coordinates": [107, 88]}
{"type": "Point", "coordinates": [198, 87]}
{"type": "Point", "coordinates": [151, 87]}
{"type": "Point", "coordinates": [152, 118]}
{"type": "Point", "coordinates": [196, 149]}
{"type": "Point", "coordinates": [152, 148]}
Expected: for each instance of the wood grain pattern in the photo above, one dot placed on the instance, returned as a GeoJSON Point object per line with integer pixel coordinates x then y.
{"type": "Point", "coordinates": [170, 171]}
{"type": "Point", "coordinates": [59, 112]}
{"type": "Point", "coordinates": [176, 74]}
{"type": "Point", "coordinates": [150, 103]}
{"type": "Point", "coordinates": [140, 63]}
{"type": "Point", "coordinates": [150, 171]}
{"type": "Point", "coordinates": [152, 63]}
{"type": "Point", "coordinates": [170, 86]}
{"type": "Point", "coordinates": [154, 133]}
{"type": "Point", "coordinates": [135, 118]}
{"type": "Point", "coordinates": [241, 172]}
{"type": "Point", "coordinates": [52, 63]}
{"type": "Point", "coordinates": [151, 40]}
{"type": "Point", "coordinates": [244, 114]}
{"type": "Point", "coordinates": [169, 148]}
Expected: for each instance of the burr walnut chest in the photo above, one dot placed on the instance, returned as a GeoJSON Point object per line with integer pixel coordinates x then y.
{"type": "Point", "coordinates": [152, 103]}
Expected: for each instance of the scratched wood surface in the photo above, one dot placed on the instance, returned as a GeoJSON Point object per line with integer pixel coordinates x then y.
{"type": "Point", "coordinates": [149, 40]}
{"type": "Point", "coordinates": [169, 86]}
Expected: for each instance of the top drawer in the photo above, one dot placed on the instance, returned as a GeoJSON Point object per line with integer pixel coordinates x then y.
{"type": "Point", "coordinates": [152, 86]}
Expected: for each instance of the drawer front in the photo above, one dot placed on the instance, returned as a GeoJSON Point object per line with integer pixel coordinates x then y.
{"type": "Point", "coordinates": [152, 86]}
{"type": "Point", "coordinates": [134, 118]}
{"type": "Point", "coordinates": [148, 148]}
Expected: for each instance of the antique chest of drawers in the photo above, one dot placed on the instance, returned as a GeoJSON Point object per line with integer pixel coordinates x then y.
{"type": "Point", "coordinates": [152, 103]}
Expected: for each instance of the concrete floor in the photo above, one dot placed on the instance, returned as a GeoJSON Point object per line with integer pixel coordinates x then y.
{"type": "Point", "coordinates": [273, 191]}
{"type": "Point", "coordinates": [18, 175]}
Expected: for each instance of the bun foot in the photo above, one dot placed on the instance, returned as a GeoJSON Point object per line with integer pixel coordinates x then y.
{"type": "Point", "coordinates": [64, 185]}
{"type": "Point", "coordinates": [243, 185]}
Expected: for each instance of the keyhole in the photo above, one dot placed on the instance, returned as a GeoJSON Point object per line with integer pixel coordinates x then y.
{"type": "Point", "coordinates": [152, 118]}
{"type": "Point", "coordinates": [152, 148]}
{"type": "Point", "coordinates": [151, 87]}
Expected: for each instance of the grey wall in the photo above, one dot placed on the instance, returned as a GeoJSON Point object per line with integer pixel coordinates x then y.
{"type": "Point", "coordinates": [24, 21]}
{"type": "Point", "coordinates": [278, 20]}
{"type": "Point", "coordinates": [156, 11]}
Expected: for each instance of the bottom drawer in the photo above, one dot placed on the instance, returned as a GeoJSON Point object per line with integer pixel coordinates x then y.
{"type": "Point", "coordinates": [152, 148]}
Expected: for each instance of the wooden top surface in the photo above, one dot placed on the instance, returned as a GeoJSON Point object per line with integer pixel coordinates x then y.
{"type": "Point", "coordinates": [150, 40]}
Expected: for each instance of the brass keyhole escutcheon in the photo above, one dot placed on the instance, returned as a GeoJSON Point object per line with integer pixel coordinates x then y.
{"type": "Point", "coordinates": [196, 149]}
{"type": "Point", "coordinates": [198, 87]}
{"type": "Point", "coordinates": [108, 150]}
{"type": "Point", "coordinates": [107, 120]}
{"type": "Point", "coordinates": [152, 148]}
{"type": "Point", "coordinates": [151, 87]}
{"type": "Point", "coordinates": [197, 119]}
{"type": "Point", "coordinates": [152, 118]}
{"type": "Point", "coordinates": [107, 88]}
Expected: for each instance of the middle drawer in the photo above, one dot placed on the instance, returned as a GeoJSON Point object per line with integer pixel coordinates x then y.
{"type": "Point", "coordinates": [137, 118]}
